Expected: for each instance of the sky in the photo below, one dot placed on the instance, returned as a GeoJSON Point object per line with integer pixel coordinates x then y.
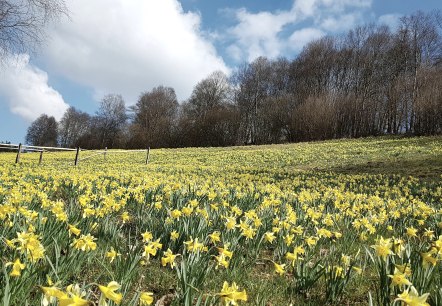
{"type": "Point", "coordinates": [130, 47]}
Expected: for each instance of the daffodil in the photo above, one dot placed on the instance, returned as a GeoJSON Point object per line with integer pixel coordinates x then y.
{"type": "Point", "coordinates": [411, 232]}
{"type": "Point", "coordinates": [269, 237]}
{"type": "Point", "coordinates": [222, 260]}
{"type": "Point", "coordinates": [230, 294]}
{"type": "Point", "coordinates": [125, 217]}
{"type": "Point", "coordinates": [279, 268]}
{"type": "Point", "coordinates": [399, 279]}
{"type": "Point", "coordinates": [176, 214]}
{"type": "Point", "coordinates": [215, 237]}
{"type": "Point", "coordinates": [72, 297]}
{"type": "Point", "coordinates": [73, 230]}
{"type": "Point", "coordinates": [428, 258]}
{"type": "Point", "coordinates": [51, 294]}
{"type": "Point", "coordinates": [85, 243]}
{"type": "Point", "coordinates": [112, 254]}
{"type": "Point", "coordinates": [17, 267]}
{"type": "Point", "coordinates": [108, 292]}
{"type": "Point", "coordinates": [404, 269]}
{"type": "Point", "coordinates": [311, 241]}
{"type": "Point", "coordinates": [294, 256]}
{"type": "Point", "coordinates": [383, 248]}
{"type": "Point", "coordinates": [146, 298]}
{"type": "Point", "coordinates": [193, 245]}
{"type": "Point", "coordinates": [168, 258]}
{"type": "Point", "coordinates": [147, 236]}
{"type": "Point", "coordinates": [412, 298]}
{"type": "Point", "coordinates": [174, 235]}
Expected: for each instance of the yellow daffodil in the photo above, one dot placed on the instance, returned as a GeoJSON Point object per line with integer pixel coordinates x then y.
{"type": "Point", "coordinates": [108, 292]}
{"type": "Point", "coordinates": [279, 268]}
{"type": "Point", "coordinates": [230, 294]}
{"type": "Point", "coordinates": [399, 279]}
{"type": "Point", "coordinates": [168, 258]}
{"type": "Point", "coordinates": [412, 298]}
{"type": "Point", "coordinates": [174, 235]}
{"type": "Point", "coordinates": [147, 236]}
{"type": "Point", "coordinates": [146, 298]}
{"type": "Point", "coordinates": [411, 232]}
{"type": "Point", "coordinates": [85, 243]}
{"type": "Point", "coordinates": [73, 230]}
{"type": "Point", "coordinates": [215, 237]}
{"type": "Point", "coordinates": [269, 237]}
{"type": "Point", "coordinates": [112, 254]}
{"type": "Point", "coordinates": [383, 248]}
{"type": "Point", "coordinates": [17, 267]}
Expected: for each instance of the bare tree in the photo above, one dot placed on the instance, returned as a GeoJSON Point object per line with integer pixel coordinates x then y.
{"type": "Point", "coordinates": [22, 23]}
{"type": "Point", "coordinates": [111, 117]}
{"type": "Point", "coordinates": [209, 117]}
{"type": "Point", "coordinates": [421, 35]}
{"type": "Point", "coordinates": [42, 132]}
{"type": "Point", "coordinates": [154, 118]}
{"type": "Point", "coordinates": [210, 93]}
{"type": "Point", "coordinates": [252, 84]}
{"type": "Point", "coordinates": [73, 126]}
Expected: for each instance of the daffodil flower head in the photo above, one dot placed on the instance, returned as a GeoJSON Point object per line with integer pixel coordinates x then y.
{"type": "Point", "coordinates": [17, 267]}
{"type": "Point", "coordinates": [412, 298]}
{"type": "Point", "coordinates": [230, 294]}
{"type": "Point", "coordinates": [383, 248]}
{"type": "Point", "coordinates": [108, 292]}
{"type": "Point", "coordinates": [146, 298]}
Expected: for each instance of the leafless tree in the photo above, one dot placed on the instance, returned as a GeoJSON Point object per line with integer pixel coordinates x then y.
{"type": "Point", "coordinates": [42, 132]}
{"type": "Point", "coordinates": [154, 118]}
{"type": "Point", "coordinates": [210, 93]}
{"type": "Point", "coordinates": [72, 127]}
{"type": "Point", "coordinates": [23, 22]}
{"type": "Point", "coordinates": [111, 117]}
{"type": "Point", "coordinates": [209, 117]}
{"type": "Point", "coordinates": [252, 85]}
{"type": "Point", "coordinates": [370, 81]}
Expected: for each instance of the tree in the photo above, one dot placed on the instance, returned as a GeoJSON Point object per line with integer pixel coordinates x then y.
{"type": "Point", "coordinates": [420, 33]}
{"type": "Point", "coordinates": [210, 93]}
{"type": "Point", "coordinates": [22, 23]}
{"type": "Point", "coordinates": [154, 118]}
{"type": "Point", "coordinates": [252, 84]}
{"type": "Point", "coordinates": [4, 142]}
{"type": "Point", "coordinates": [42, 132]}
{"type": "Point", "coordinates": [73, 126]}
{"type": "Point", "coordinates": [209, 117]}
{"type": "Point", "coordinates": [110, 119]}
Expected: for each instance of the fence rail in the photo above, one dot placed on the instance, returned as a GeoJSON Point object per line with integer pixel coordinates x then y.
{"type": "Point", "coordinates": [42, 149]}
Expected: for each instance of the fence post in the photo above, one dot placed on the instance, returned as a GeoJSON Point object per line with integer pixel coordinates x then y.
{"type": "Point", "coordinates": [17, 158]}
{"type": "Point", "coordinates": [105, 152]}
{"type": "Point", "coordinates": [41, 157]}
{"type": "Point", "coordinates": [147, 157]}
{"type": "Point", "coordinates": [76, 156]}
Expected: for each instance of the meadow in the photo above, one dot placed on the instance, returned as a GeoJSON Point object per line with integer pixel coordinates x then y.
{"type": "Point", "coordinates": [344, 222]}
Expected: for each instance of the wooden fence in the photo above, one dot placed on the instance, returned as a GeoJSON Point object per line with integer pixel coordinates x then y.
{"type": "Point", "coordinates": [20, 148]}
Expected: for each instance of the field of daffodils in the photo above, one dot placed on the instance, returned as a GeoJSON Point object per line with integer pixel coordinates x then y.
{"type": "Point", "coordinates": [349, 222]}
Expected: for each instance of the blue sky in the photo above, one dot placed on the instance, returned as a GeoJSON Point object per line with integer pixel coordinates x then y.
{"type": "Point", "coordinates": [129, 47]}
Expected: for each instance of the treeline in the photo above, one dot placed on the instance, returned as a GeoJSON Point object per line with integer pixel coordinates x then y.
{"type": "Point", "coordinates": [370, 81]}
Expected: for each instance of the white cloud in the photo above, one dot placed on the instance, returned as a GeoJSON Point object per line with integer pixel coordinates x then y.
{"type": "Point", "coordinates": [305, 7]}
{"type": "Point", "coordinates": [257, 33]}
{"type": "Point", "coordinates": [301, 37]}
{"type": "Point", "coordinates": [391, 20]}
{"type": "Point", "coordinates": [26, 90]}
{"type": "Point", "coordinates": [341, 23]}
{"type": "Point", "coordinates": [119, 46]}
{"type": "Point", "coordinates": [265, 33]}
